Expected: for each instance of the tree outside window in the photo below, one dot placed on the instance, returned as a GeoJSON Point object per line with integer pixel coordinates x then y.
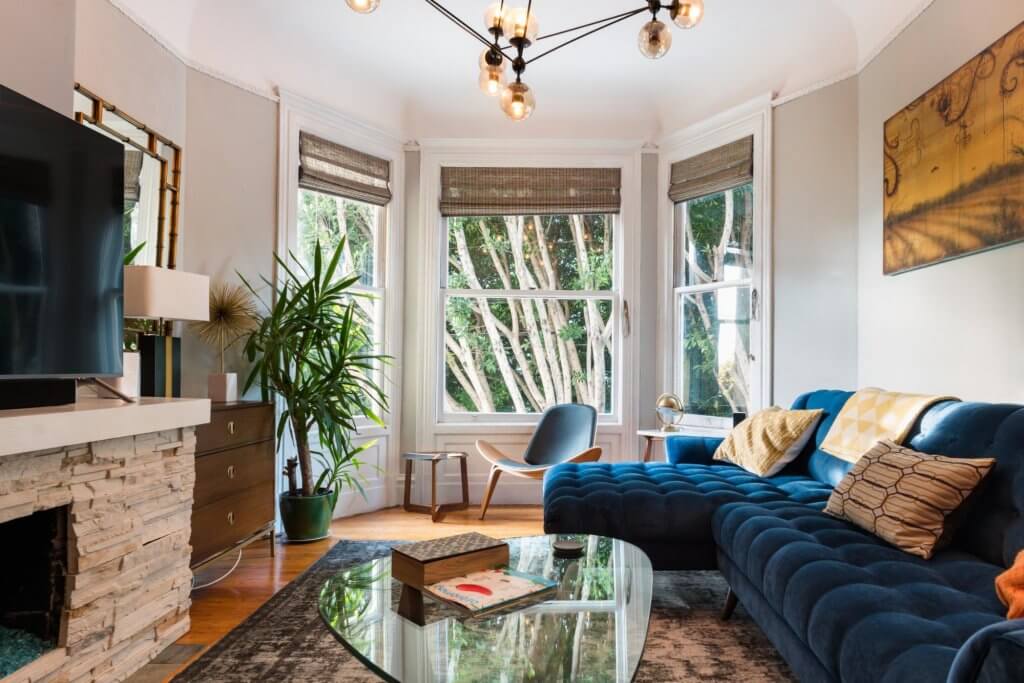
{"type": "Point", "coordinates": [530, 309]}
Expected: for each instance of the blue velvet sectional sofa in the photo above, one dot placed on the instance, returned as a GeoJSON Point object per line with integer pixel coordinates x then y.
{"type": "Point", "coordinates": [838, 603]}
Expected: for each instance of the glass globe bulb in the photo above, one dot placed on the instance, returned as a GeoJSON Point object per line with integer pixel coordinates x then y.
{"type": "Point", "coordinates": [687, 13]}
{"type": "Point", "coordinates": [492, 81]}
{"type": "Point", "coordinates": [655, 40]}
{"type": "Point", "coordinates": [516, 24]}
{"type": "Point", "coordinates": [363, 6]}
{"type": "Point", "coordinates": [517, 101]}
{"type": "Point", "coordinates": [493, 17]}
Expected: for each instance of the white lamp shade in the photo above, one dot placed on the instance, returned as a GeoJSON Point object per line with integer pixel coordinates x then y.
{"type": "Point", "coordinates": [161, 293]}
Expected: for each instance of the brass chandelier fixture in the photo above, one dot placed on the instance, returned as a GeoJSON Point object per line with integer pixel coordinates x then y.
{"type": "Point", "coordinates": [519, 28]}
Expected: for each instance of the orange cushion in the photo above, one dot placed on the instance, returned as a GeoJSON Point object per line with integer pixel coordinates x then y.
{"type": "Point", "coordinates": [1010, 588]}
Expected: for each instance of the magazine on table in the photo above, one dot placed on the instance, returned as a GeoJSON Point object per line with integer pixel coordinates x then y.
{"type": "Point", "coordinates": [490, 589]}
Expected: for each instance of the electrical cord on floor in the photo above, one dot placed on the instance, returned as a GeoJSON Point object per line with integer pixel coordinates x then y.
{"type": "Point", "coordinates": [218, 580]}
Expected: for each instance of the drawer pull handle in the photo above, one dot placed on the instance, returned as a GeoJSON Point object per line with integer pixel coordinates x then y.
{"type": "Point", "coordinates": [231, 427]}
{"type": "Point", "coordinates": [231, 471]}
{"type": "Point", "coordinates": [231, 518]}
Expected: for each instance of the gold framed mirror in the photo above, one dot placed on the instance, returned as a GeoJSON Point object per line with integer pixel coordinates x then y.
{"type": "Point", "coordinates": [152, 178]}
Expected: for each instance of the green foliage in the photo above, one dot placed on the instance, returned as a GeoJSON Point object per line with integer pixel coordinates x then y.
{"type": "Point", "coordinates": [559, 252]}
{"type": "Point", "coordinates": [331, 222]}
{"type": "Point", "coordinates": [313, 350]}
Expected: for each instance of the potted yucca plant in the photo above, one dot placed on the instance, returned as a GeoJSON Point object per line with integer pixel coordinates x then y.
{"type": "Point", "coordinates": [311, 349]}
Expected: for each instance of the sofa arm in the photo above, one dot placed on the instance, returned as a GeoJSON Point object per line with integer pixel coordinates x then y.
{"type": "Point", "coordinates": [992, 655]}
{"type": "Point", "coordinates": [691, 450]}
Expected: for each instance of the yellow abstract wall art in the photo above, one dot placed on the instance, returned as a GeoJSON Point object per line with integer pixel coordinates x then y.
{"type": "Point", "coordinates": [954, 163]}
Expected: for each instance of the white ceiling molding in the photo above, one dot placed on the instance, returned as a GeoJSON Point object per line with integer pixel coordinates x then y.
{"type": "Point", "coordinates": [121, 7]}
{"type": "Point", "coordinates": [864, 21]}
{"type": "Point", "coordinates": [889, 37]}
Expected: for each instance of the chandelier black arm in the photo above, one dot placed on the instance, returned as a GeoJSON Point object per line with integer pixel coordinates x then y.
{"type": "Point", "coordinates": [463, 25]}
{"type": "Point", "coordinates": [622, 18]}
{"type": "Point", "coordinates": [630, 13]}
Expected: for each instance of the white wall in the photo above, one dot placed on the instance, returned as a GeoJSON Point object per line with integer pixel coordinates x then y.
{"type": "Point", "coordinates": [121, 63]}
{"type": "Point", "coordinates": [954, 327]}
{"type": "Point", "coordinates": [230, 201]}
{"type": "Point", "coordinates": [815, 242]}
{"type": "Point", "coordinates": [37, 50]}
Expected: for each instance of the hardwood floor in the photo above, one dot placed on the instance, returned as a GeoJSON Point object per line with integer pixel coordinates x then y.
{"type": "Point", "coordinates": [220, 608]}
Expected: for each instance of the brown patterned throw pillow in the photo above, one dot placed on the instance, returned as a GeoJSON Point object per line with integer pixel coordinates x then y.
{"type": "Point", "coordinates": [905, 497]}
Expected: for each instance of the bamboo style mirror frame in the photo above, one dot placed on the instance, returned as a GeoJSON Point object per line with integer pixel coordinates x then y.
{"type": "Point", "coordinates": [152, 178]}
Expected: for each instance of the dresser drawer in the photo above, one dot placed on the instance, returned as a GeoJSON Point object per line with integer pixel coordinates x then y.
{"type": "Point", "coordinates": [226, 473]}
{"type": "Point", "coordinates": [235, 426]}
{"type": "Point", "coordinates": [220, 525]}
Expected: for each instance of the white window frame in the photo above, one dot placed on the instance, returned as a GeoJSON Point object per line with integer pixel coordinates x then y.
{"type": "Point", "coordinates": [753, 119]}
{"type": "Point", "coordinates": [614, 295]}
{"type": "Point", "coordinates": [536, 154]}
{"type": "Point", "coordinates": [379, 290]}
{"type": "Point", "coordinates": [298, 113]}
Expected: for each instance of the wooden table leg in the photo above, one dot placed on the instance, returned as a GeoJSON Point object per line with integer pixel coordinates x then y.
{"type": "Point", "coordinates": [465, 483]}
{"type": "Point", "coordinates": [435, 509]}
{"type": "Point", "coordinates": [408, 486]}
{"type": "Point", "coordinates": [273, 544]}
{"type": "Point", "coordinates": [648, 449]}
{"type": "Point", "coordinates": [410, 605]}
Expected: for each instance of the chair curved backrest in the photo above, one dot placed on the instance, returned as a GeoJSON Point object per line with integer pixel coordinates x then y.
{"type": "Point", "coordinates": [563, 431]}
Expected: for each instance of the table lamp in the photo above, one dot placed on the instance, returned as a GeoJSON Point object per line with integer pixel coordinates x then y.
{"type": "Point", "coordinates": [162, 294]}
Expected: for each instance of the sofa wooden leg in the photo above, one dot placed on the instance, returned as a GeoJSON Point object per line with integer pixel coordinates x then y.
{"type": "Point", "coordinates": [492, 482]}
{"type": "Point", "coordinates": [730, 605]}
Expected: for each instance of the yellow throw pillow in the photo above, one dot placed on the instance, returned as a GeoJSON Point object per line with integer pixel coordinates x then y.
{"type": "Point", "coordinates": [905, 497]}
{"type": "Point", "coordinates": [767, 441]}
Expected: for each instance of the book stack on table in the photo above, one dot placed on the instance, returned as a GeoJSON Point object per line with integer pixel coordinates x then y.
{"type": "Point", "coordinates": [468, 571]}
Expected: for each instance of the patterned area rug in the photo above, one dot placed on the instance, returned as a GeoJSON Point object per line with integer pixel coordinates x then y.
{"type": "Point", "coordinates": [286, 641]}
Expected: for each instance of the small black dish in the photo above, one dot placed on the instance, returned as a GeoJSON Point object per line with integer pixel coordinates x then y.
{"type": "Point", "coordinates": [567, 549]}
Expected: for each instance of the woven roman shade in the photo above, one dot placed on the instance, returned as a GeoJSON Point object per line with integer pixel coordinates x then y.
{"type": "Point", "coordinates": [717, 170]}
{"type": "Point", "coordinates": [492, 191]}
{"type": "Point", "coordinates": [328, 167]}
{"type": "Point", "coordinates": [132, 174]}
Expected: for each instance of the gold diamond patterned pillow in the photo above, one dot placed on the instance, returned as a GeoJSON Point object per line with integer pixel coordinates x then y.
{"type": "Point", "coordinates": [767, 441]}
{"type": "Point", "coordinates": [905, 497]}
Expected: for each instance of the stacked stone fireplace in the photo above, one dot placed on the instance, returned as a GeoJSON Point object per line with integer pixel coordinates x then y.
{"type": "Point", "coordinates": [106, 528]}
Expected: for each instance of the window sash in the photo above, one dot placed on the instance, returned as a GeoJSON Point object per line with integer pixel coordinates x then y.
{"type": "Point", "coordinates": [613, 413]}
{"type": "Point", "coordinates": [681, 290]}
{"type": "Point", "coordinates": [698, 420]}
{"type": "Point", "coordinates": [614, 295]}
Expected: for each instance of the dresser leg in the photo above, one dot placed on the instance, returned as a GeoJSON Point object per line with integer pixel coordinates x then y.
{"type": "Point", "coordinates": [273, 543]}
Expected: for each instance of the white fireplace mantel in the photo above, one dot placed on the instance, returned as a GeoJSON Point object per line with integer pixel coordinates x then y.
{"type": "Point", "coordinates": [95, 419]}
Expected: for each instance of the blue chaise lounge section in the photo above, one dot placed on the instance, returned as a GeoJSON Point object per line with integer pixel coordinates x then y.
{"type": "Point", "coordinates": [838, 603]}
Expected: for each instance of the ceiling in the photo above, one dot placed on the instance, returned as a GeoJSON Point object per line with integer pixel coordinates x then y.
{"type": "Point", "coordinates": [406, 69]}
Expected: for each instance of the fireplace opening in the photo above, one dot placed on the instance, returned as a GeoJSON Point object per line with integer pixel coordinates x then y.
{"type": "Point", "coordinates": [32, 593]}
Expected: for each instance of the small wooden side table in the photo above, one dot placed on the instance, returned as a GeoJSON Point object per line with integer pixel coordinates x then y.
{"type": "Point", "coordinates": [656, 435]}
{"type": "Point", "coordinates": [436, 511]}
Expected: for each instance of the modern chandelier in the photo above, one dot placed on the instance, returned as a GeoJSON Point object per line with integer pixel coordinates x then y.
{"type": "Point", "coordinates": [519, 28]}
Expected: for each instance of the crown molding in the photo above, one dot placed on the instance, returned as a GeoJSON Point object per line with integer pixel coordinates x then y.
{"type": "Point", "coordinates": [866, 61]}
{"type": "Point", "coordinates": [890, 37]}
{"type": "Point", "coordinates": [161, 40]}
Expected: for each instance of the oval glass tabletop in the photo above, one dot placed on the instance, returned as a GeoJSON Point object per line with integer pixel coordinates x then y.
{"type": "Point", "coordinates": [592, 628]}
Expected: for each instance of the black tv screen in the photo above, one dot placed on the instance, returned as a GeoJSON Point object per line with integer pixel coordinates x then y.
{"type": "Point", "coordinates": [61, 245]}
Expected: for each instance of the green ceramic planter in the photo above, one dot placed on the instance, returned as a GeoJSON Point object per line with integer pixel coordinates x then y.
{"type": "Point", "coordinates": [306, 518]}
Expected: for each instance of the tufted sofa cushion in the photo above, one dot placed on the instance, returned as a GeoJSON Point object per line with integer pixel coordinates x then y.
{"type": "Point", "coordinates": [650, 504]}
{"type": "Point", "coordinates": [867, 611]}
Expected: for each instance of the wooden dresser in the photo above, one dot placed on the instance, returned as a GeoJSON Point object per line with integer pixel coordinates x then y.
{"type": "Point", "coordinates": [235, 472]}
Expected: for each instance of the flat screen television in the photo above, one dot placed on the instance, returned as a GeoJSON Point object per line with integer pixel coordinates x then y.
{"type": "Point", "coordinates": [61, 245]}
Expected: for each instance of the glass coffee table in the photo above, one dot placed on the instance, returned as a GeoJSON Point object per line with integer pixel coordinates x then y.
{"type": "Point", "coordinates": [593, 628]}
